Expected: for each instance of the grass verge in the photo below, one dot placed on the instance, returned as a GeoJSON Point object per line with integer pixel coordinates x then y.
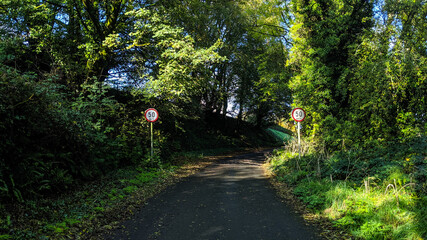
{"type": "Point", "coordinates": [387, 205]}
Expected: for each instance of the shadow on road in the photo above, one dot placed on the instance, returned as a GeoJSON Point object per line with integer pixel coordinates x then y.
{"type": "Point", "coordinates": [230, 199]}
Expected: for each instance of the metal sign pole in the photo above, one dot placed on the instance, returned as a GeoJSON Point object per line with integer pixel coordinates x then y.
{"type": "Point", "coordinates": [151, 115]}
{"type": "Point", "coordinates": [298, 114]}
{"type": "Point", "coordinates": [152, 145]}
{"type": "Point", "coordinates": [299, 139]}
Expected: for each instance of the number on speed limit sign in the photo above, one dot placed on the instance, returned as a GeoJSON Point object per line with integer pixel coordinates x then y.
{"type": "Point", "coordinates": [298, 114]}
{"type": "Point", "coordinates": [151, 115]}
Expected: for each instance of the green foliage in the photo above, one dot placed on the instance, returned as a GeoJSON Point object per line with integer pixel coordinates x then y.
{"type": "Point", "coordinates": [360, 75]}
{"type": "Point", "coordinates": [144, 177]}
{"type": "Point", "coordinates": [312, 193]}
{"type": "Point", "coordinates": [61, 123]}
{"type": "Point", "coordinates": [72, 215]}
{"type": "Point", "coordinates": [96, 120]}
{"type": "Point", "coordinates": [52, 139]}
{"type": "Point", "coordinates": [30, 111]}
{"type": "Point", "coordinates": [371, 193]}
{"type": "Point", "coordinates": [323, 35]}
{"type": "Point", "coordinates": [252, 81]}
{"type": "Point", "coordinates": [374, 230]}
{"type": "Point", "coordinates": [346, 222]}
{"type": "Point", "coordinates": [360, 78]}
{"type": "Point", "coordinates": [181, 66]}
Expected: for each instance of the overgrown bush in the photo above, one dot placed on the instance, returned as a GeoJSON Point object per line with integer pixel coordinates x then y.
{"type": "Point", "coordinates": [38, 136]}
{"type": "Point", "coordinates": [51, 138]}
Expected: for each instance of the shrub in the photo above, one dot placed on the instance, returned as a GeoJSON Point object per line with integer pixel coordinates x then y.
{"type": "Point", "coordinates": [50, 139]}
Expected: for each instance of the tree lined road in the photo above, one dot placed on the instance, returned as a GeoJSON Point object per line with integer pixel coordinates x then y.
{"type": "Point", "coordinates": [231, 199]}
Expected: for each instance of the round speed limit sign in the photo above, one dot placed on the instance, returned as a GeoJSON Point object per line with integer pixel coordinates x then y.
{"type": "Point", "coordinates": [151, 115]}
{"type": "Point", "coordinates": [298, 114]}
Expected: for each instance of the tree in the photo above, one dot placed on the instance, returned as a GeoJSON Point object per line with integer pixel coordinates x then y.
{"type": "Point", "coordinates": [267, 26]}
{"type": "Point", "coordinates": [390, 75]}
{"type": "Point", "coordinates": [247, 44]}
{"type": "Point", "coordinates": [324, 33]}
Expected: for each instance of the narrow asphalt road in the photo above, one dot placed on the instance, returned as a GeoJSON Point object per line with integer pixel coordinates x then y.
{"type": "Point", "coordinates": [230, 199]}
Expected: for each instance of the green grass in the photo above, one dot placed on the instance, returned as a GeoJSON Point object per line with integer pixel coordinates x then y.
{"type": "Point", "coordinates": [367, 215]}
{"type": "Point", "coordinates": [389, 207]}
{"type": "Point", "coordinates": [65, 216]}
{"type": "Point", "coordinates": [281, 135]}
{"type": "Point", "coordinates": [62, 217]}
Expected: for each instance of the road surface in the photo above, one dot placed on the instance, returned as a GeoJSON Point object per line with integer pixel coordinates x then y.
{"type": "Point", "coordinates": [230, 199]}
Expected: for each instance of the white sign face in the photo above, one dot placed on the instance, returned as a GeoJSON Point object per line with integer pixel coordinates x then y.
{"type": "Point", "coordinates": [298, 114]}
{"type": "Point", "coordinates": [151, 115]}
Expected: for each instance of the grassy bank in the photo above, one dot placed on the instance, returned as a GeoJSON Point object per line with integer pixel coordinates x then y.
{"type": "Point", "coordinates": [88, 211]}
{"type": "Point", "coordinates": [377, 193]}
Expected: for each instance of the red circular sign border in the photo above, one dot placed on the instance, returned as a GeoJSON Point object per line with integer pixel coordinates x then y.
{"type": "Point", "coordinates": [145, 115]}
{"type": "Point", "coordinates": [293, 115]}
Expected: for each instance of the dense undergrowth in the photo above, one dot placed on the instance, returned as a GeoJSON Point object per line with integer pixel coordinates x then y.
{"type": "Point", "coordinates": [378, 192]}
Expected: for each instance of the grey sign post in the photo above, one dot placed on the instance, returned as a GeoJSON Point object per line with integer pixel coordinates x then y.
{"type": "Point", "coordinates": [151, 115]}
{"type": "Point", "coordinates": [298, 114]}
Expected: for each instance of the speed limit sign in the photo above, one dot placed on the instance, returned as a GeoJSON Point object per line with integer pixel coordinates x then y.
{"type": "Point", "coordinates": [151, 115]}
{"type": "Point", "coordinates": [298, 114]}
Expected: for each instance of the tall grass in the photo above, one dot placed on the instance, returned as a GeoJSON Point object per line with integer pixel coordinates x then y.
{"type": "Point", "coordinates": [386, 202]}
